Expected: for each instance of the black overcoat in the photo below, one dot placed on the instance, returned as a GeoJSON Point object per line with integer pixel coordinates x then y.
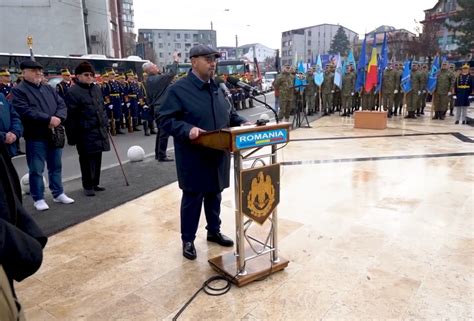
{"type": "Point", "coordinates": [86, 124]}
{"type": "Point", "coordinates": [192, 103]}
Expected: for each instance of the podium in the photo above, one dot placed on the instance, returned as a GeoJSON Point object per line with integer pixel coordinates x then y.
{"type": "Point", "coordinates": [257, 194]}
{"type": "Point", "coordinates": [369, 119]}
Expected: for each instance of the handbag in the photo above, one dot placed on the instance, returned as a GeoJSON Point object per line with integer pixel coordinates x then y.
{"type": "Point", "coordinates": [58, 137]}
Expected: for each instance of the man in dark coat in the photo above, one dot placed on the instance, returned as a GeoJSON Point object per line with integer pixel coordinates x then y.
{"type": "Point", "coordinates": [42, 111]}
{"type": "Point", "coordinates": [156, 86]}
{"type": "Point", "coordinates": [194, 105]}
{"type": "Point", "coordinates": [21, 240]}
{"type": "Point", "coordinates": [86, 126]}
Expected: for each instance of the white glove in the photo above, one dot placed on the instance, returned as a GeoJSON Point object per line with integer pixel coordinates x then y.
{"type": "Point", "coordinates": [128, 105]}
{"type": "Point", "coordinates": [110, 107]}
{"type": "Point", "coordinates": [470, 97]}
{"type": "Point", "coordinates": [122, 104]}
{"type": "Point", "coordinates": [449, 94]}
{"type": "Point", "coordinates": [145, 107]}
{"type": "Point", "coordinates": [419, 92]}
{"type": "Point", "coordinates": [352, 94]}
{"type": "Point", "coordinates": [454, 97]}
{"type": "Point", "coordinates": [332, 91]}
{"type": "Point", "coordinates": [395, 91]}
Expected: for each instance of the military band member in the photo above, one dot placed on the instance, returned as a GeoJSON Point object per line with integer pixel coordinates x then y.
{"type": "Point", "coordinates": [133, 99]}
{"type": "Point", "coordinates": [113, 95]}
{"type": "Point", "coordinates": [5, 84]}
{"type": "Point", "coordinates": [463, 88]}
{"type": "Point", "coordinates": [65, 83]}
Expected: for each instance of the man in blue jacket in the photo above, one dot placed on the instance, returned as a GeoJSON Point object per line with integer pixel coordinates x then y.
{"type": "Point", "coordinates": [10, 126]}
{"type": "Point", "coordinates": [194, 105]}
{"type": "Point", "coordinates": [40, 109]}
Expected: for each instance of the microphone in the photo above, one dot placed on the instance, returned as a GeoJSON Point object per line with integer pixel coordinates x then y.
{"type": "Point", "coordinates": [220, 81]}
{"type": "Point", "coordinates": [262, 120]}
{"type": "Point", "coordinates": [236, 82]}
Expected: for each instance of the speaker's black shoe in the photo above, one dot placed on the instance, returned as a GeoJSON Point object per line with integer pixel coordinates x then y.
{"type": "Point", "coordinates": [165, 159]}
{"type": "Point", "coordinates": [99, 188]}
{"type": "Point", "coordinates": [220, 239]}
{"type": "Point", "coordinates": [189, 251]}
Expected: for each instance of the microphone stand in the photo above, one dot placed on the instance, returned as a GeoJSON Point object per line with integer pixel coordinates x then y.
{"type": "Point", "coordinates": [297, 119]}
{"type": "Point", "coordinates": [264, 103]}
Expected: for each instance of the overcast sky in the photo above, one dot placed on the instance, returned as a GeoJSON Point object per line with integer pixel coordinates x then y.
{"type": "Point", "coordinates": [263, 21]}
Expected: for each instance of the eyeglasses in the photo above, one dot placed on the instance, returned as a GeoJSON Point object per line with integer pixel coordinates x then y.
{"type": "Point", "coordinates": [87, 74]}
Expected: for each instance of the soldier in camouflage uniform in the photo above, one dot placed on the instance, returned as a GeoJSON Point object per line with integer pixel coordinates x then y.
{"type": "Point", "coordinates": [327, 88]}
{"type": "Point", "coordinates": [284, 84]}
{"type": "Point", "coordinates": [424, 79]}
{"type": "Point", "coordinates": [310, 92]}
{"type": "Point", "coordinates": [347, 92]}
{"type": "Point", "coordinates": [443, 91]}
{"type": "Point", "coordinates": [390, 83]}
{"type": "Point", "coordinates": [413, 97]}
{"type": "Point", "coordinates": [398, 94]}
{"type": "Point", "coordinates": [452, 69]}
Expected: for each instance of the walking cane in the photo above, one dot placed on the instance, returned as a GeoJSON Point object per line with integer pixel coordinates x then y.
{"type": "Point", "coordinates": [118, 158]}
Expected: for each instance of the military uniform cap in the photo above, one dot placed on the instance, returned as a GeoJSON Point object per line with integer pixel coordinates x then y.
{"type": "Point", "coordinates": [203, 50]}
{"type": "Point", "coordinates": [121, 76]}
{"type": "Point", "coordinates": [30, 64]}
{"type": "Point", "coordinates": [130, 73]}
{"type": "Point", "coordinates": [105, 74]}
{"type": "Point", "coordinates": [465, 66]}
{"type": "Point", "coordinates": [65, 72]}
{"type": "Point", "coordinates": [4, 72]}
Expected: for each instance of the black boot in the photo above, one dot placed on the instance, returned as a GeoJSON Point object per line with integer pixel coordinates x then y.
{"type": "Point", "coordinates": [145, 127]}
{"type": "Point", "coordinates": [389, 113]}
{"type": "Point", "coordinates": [152, 128]}
{"type": "Point", "coordinates": [117, 128]}
{"type": "Point", "coordinates": [435, 115]}
{"type": "Point", "coordinates": [418, 112]}
{"type": "Point", "coordinates": [422, 110]}
{"type": "Point", "coordinates": [135, 125]}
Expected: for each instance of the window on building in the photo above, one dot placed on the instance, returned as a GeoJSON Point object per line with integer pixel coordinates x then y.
{"type": "Point", "coordinates": [289, 53]}
{"type": "Point", "coordinates": [187, 36]}
{"type": "Point", "coordinates": [309, 42]}
{"type": "Point", "coordinates": [160, 55]}
{"type": "Point", "coordinates": [159, 35]}
{"type": "Point", "coordinates": [177, 45]}
{"type": "Point", "coordinates": [290, 43]}
{"type": "Point", "coordinates": [169, 45]}
{"type": "Point", "coordinates": [309, 33]}
{"type": "Point", "coordinates": [160, 45]}
{"type": "Point", "coordinates": [178, 36]}
{"type": "Point", "coordinates": [168, 34]}
{"type": "Point", "coordinates": [195, 37]}
{"type": "Point", "coordinates": [187, 45]}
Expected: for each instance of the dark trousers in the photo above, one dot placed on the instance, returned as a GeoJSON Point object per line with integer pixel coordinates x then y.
{"type": "Point", "coordinates": [90, 169]}
{"type": "Point", "coordinates": [161, 143]}
{"type": "Point", "coordinates": [191, 204]}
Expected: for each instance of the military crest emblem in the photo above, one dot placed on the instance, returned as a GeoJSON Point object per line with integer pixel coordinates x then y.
{"type": "Point", "coordinates": [260, 192]}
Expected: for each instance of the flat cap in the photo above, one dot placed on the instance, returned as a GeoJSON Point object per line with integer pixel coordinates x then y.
{"type": "Point", "coordinates": [30, 64]}
{"type": "Point", "coordinates": [203, 50]}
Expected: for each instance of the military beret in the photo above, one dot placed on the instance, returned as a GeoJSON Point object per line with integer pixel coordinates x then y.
{"type": "Point", "coordinates": [30, 64]}
{"type": "Point", "coordinates": [203, 50]}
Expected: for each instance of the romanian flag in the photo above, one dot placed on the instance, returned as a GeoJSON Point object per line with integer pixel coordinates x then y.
{"type": "Point", "coordinates": [371, 79]}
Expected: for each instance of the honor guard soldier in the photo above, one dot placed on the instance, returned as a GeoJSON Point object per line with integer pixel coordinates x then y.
{"type": "Point", "coordinates": [413, 97]}
{"type": "Point", "coordinates": [327, 88]}
{"type": "Point", "coordinates": [65, 84]}
{"type": "Point", "coordinates": [452, 69]}
{"type": "Point", "coordinates": [284, 84]}
{"type": "Point", "coordinates": [424, 80]}
{"type": "Point", "coordinates": [133, 96]}
{"type": "Point", "coordinates": [310, 92]}
{"type": "Point", "coordinates": [398, 97]}
{"type": "Point", "coordinates": [443, 91]}
{"type": "Point", "coordinates": [347, 92]}
{"type": "Point", "coordinates": [5, 84]}
{"type": "Point", "coordinates": [112, 96]}
{"type": "Point", "coordinates": [463, 88]}
{"type": "Point", "coordinates": [390, 84]}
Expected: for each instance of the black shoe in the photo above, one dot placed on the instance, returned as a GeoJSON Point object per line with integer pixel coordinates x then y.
{"type": "Point", "coordinates": [152, 131]}
{"type": "Point", "coordinates": [464, 122]}
{"type": "Point", "coordinates": [19, 152]}
{"type": "Point", "coordinates": [136, 129]}
{"type": "Point", "coordinates": [456, 122]}
{"type": "Point", "coordinates": [99, 188]}
{"type": "Point", "coordinates": [165, 159]}
{"type": "Point", "coordinates": [220, 239]}
{"type": "Point", "coordinates": [89, 192]}
{"type": "Point", "coordinates": [119, 132]}
{"type": "Point", "coordinates": [189, 251]}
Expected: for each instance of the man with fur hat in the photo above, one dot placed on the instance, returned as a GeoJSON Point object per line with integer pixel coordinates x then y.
{"type": "Point", "coordinates": [86, 126]}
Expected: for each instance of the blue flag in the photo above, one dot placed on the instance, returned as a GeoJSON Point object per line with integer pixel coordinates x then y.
{"type": "Point", "coordinates": [383, 62]}
{"type": "Point", "coordinates": [338, 73]}
{"type": "Point", "coordinates": [351, 60]}
{"type": "Point", "coordinates": [406, 77]}
{"type": "Point", "coordinates": [360, 80]}
{"type": "Point", "coordinates": [319, 73]}
{"type": "Point", "coordinates": [344, 66]}
{"type": "Point", "coordinates": [433, 77]}
{"type": "Point", "coordinates": [301, 67]}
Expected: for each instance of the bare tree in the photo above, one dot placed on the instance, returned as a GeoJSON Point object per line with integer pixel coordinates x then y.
{"type": "Point", "coordinates": [99, 43]}
{"type": "Point", "coordinates": [129, 44]}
